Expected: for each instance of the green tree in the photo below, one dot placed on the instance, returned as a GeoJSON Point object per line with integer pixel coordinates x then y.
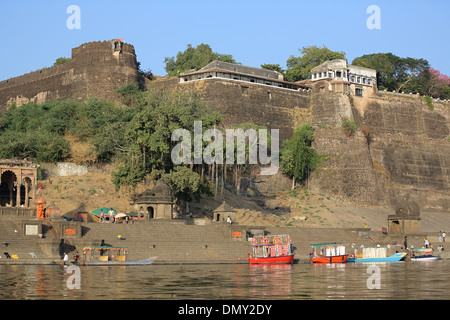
{"type": "Point", "coordinates": [61, 61]}
{"type": "Point", "coordinates": [148, 134]}
{"type": "Point", "coordinates": [273, 67]}
{"type": "Point", "coordinates": [298, 159]}
{"type": "Point", "coordinates": [183, 181]}
{"type": "Point", "coordinates": [194, 58]}
{"type": "Point", "coordinates": [299, 67]}
{"type": "Point", "coordinates": [393, 72]}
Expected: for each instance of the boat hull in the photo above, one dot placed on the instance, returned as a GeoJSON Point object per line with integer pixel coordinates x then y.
{"type": "Point", "coordinates": [425, 258]}
{"type": "Point", "coordinates": [394, 258]}
{"type": "Point", "coordinates": [143, 262]}
{"type": "Point", "coordinates": [272, 260]}
{"type": "Point", "coordinates": [331, 259]}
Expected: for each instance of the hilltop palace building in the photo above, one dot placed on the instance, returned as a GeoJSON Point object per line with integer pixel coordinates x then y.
{"type": "Point", "coordinates": [345, 78]}
{"type": "Point", "coordinates": [233, 71]}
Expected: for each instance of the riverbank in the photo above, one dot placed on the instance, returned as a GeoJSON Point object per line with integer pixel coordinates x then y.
{"type": "Point", "coordinates": [182, 242]}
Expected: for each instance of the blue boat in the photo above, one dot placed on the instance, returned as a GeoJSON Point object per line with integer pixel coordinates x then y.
{"type": "Point", "coordinates": [375, 254]}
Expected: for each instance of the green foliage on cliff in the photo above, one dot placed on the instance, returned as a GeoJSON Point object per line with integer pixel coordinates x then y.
{"type": "Point", "coordinates": [194, 58]}
{"type": "Point", "coordinates": [137, 136]}
{"type": "Point", "coordinates": [298, 158]}
{"type": "Point", "coordinates": [38, 131]}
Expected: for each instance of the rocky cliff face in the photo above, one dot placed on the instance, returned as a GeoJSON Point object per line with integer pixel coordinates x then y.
{"type": "Point", "coordinates": [409, 152]}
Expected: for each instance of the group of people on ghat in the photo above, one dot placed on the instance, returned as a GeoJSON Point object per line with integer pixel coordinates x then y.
{"type": "Point", "coordinates": [109, 217]}
{"type": "Point", "coordinates": [426, 243]}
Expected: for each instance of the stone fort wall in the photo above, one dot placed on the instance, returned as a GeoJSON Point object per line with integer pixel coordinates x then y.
{"type": "Point", "coordinates": [243, 102]}
{"type": "Point", "coordinates": [96, 69]}
{"type": "Point", "coordinates": [410, 152]}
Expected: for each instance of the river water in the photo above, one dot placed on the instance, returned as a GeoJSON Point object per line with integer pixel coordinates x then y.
{"type": "Point", "coordinates": [302, 281]}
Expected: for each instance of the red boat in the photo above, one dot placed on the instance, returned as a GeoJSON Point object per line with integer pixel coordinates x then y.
{"type": "Point", "coordinates": [272, 250]}
{"type": "Point", "coordinates": [328, 253]}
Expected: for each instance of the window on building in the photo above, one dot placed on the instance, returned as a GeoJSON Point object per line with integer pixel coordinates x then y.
{"type": "Point", "coordinates": [359, 92]}
{"type": "Point", "coordinates": [338, 74]}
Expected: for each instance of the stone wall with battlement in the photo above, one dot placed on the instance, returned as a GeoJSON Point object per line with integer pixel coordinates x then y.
{"type": "Point", "coordinates": [96, 69]}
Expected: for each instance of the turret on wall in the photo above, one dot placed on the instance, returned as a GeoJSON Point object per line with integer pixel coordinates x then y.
{"type": "Point", "coordinates": [96, 69]}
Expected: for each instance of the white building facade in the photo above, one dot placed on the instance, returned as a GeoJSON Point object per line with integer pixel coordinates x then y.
{"type": "Point", "coordinates": [345, 78]}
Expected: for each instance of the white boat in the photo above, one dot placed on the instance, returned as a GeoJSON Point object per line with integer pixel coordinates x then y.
{"type": "Point", "coordinates": [423, 254]}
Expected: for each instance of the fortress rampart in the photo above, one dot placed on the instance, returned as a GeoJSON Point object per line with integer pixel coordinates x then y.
{"type": "Point", "coordinates": [409, 152]}
{"type": "Point", "coordinates": [96, 69]}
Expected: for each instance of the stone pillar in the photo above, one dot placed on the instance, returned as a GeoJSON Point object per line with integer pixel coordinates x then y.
{"type": "Point", "coordinates": [27, 201]}
{"type": "Point", "coordinates": [33, 191]}
{"type": "Point", "coordinates": [18, 187]}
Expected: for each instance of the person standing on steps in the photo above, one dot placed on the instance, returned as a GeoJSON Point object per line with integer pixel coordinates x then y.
{"type": "Point", "coordinates": [65, 259]}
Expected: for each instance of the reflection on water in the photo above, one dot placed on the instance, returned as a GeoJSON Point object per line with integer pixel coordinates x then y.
{"type": "Point", "coordinates": [404, 280]}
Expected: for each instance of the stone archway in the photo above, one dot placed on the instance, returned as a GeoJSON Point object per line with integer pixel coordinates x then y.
{"type": "Point", "coordinates": [18, 183]}
{"type": "Point", "coordinates": [9, 188]}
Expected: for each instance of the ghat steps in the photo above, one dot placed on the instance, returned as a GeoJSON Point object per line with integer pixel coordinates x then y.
{"type": "Point", "coordinates": [172, 242]}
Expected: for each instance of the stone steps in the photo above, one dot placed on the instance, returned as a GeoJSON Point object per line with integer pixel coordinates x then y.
{"type": "Point", "coordinates": [14, 243]}
{"type": "Point", "coordinates": [171, 242]}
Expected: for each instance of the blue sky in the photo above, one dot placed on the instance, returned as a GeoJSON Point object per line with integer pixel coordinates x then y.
{"type": "Point", "coordinates": [35, 34]}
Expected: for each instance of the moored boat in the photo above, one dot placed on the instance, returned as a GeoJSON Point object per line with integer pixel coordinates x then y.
{"type": "Point", "coordinates": [328, 253]}
{"type": "Point", "coordinates": [423, 254]}
{"type": "Point", "coordinates": [110, 256]}
{"type": "Point", "coordinates": [375, 254]}
{"type": "Point", "coordinates": [277, 249]}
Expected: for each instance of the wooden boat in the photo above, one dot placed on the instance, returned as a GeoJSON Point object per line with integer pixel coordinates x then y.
{"type": "Point", "coordinates": [277, 249]}
{"type": "Point", "coordinates": [110, 256]}
{"type": "Point", "coordinates": [423, 254]}
{"type": "Point", "coordinates": [328, 253]}
{"type": "Point", "coordinates": [375, 254]}
{"type": "Point", "coordinates": [142, 262]}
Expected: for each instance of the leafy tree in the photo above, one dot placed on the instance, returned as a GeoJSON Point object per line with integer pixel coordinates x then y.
{"type": "Point", "coordinates": [147, 136]}
{"type": "Point", "coordinates": [131, 95]}
{"type": "Point", "coordinates": [436, 84]}
{"type": "Point", "coordinates": [194, 58]}
{"type": "Point", "coordinates": [299, 67]}
{"type": "Point", "coordinates": [274, 67]}
{"type": "Point", "coordinates": [61, 61]}
{"type": "Point", "coordinates": [183, 181]}
{"type": "Point", "coordinates": [393, 72]}
{"type": "Point", "coordinates": [298, 158]}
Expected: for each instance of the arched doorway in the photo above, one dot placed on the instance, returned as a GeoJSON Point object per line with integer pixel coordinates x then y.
{"type": "Point", "coordinates": [8, 189]}
{"type": "Point", "coordinates": [150, 213]}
